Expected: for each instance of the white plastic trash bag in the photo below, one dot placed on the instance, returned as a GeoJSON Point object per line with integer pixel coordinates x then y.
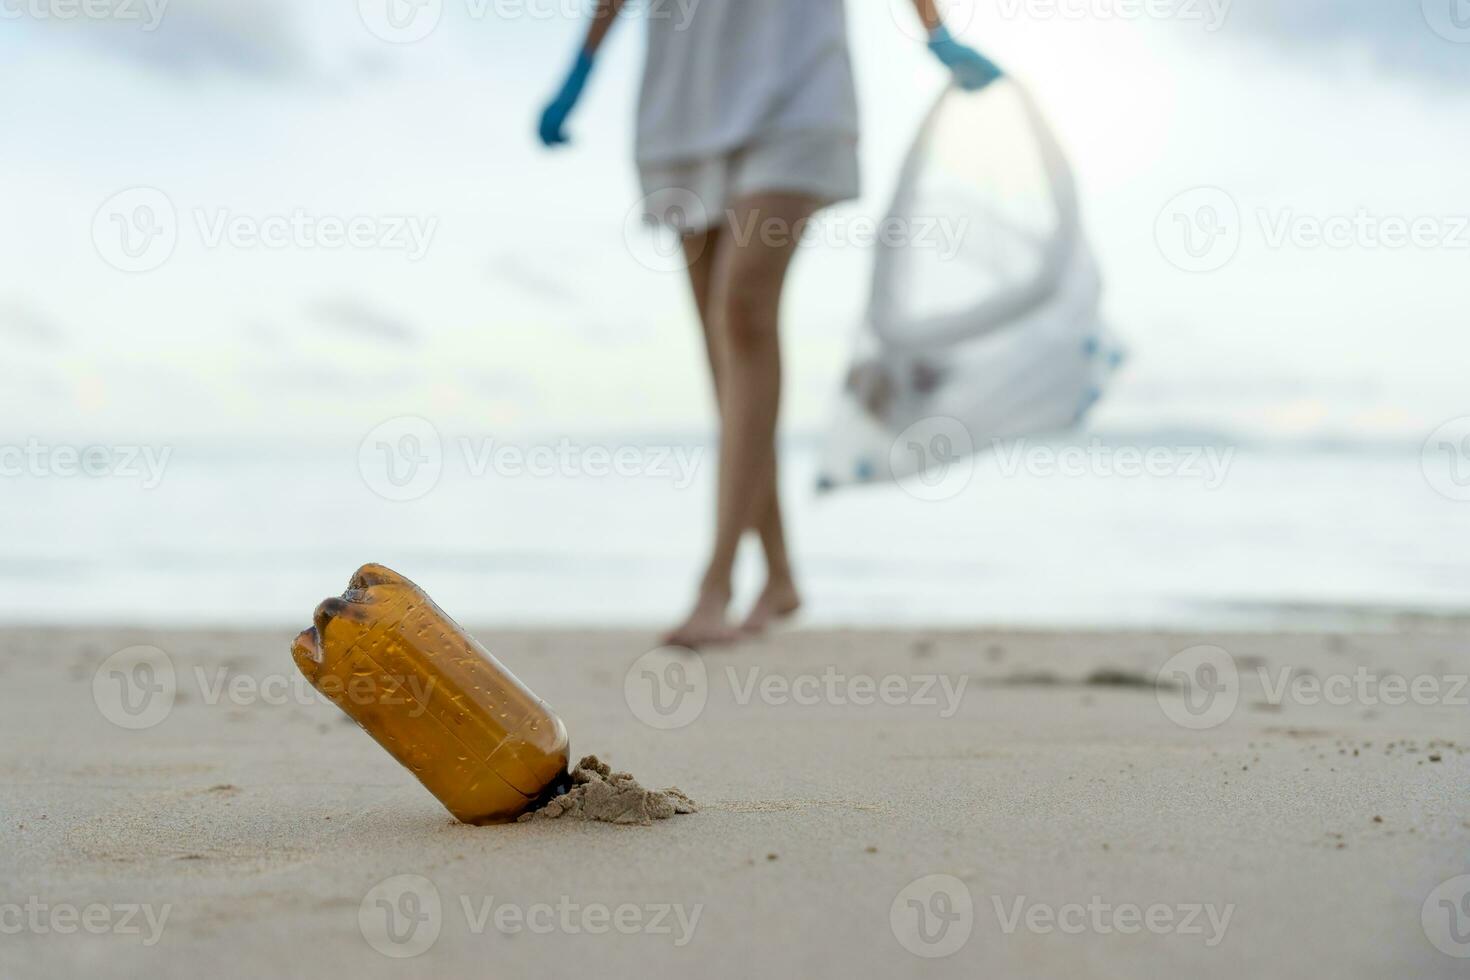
{"type": "Point", "coordinates": [989, 332]}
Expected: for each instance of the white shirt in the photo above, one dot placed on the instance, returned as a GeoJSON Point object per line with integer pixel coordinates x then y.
{"type": "Point", "coordinates": [723, 73]}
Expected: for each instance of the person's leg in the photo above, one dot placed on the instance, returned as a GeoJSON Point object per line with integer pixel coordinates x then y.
{"type": "Point", "coordinates": [701, 251]}
{"type": "Point", "coordinates": [744, 298]}
{"type": "Point", "coordinates": [779, 597]}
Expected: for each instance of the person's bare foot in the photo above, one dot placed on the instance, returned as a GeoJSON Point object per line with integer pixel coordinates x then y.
{"type": "Point", "coordinates": [778, 601]}
{"type": "Point", "coordinates": [706, 626]}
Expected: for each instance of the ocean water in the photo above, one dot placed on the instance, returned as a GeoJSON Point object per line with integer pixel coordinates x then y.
{"type": "Point", "coordinates": [1088, 533]}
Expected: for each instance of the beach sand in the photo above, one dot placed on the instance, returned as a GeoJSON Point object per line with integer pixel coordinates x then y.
{"type": "Point", "coordinates": [1053, 785]}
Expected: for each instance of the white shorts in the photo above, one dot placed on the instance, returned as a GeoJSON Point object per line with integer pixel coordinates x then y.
{"type": "Point", "coordinates": [694, 195]}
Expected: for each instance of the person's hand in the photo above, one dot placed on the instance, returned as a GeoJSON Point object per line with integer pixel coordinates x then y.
{"type": "Point", "coordinates": [553, 120]}
{"type": "Point", "coordinates": [972, 70]}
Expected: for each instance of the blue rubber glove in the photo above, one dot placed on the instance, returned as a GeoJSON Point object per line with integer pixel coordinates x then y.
{"type": "Point", "coordinates": [554, 119]}
{"type": "Point", "coordinates": [972, 70]}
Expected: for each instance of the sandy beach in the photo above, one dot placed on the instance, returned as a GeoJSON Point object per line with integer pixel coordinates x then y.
{"type": "Point", "coordinates": [875, 804]}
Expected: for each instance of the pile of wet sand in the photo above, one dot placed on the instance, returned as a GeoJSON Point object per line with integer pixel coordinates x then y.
{"type": "Point", "coordinates": [600, 794]}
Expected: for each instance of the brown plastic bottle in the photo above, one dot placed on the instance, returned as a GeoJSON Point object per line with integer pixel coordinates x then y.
{"type": "Point", "coordinates": [472, 733]}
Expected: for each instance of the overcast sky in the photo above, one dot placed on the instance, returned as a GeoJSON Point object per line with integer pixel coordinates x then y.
{"type": "Point", "coordinates": [505, 288]}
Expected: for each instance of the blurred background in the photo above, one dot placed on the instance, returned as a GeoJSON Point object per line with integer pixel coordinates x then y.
{"type": "Point", "coordinates": [289, 287]}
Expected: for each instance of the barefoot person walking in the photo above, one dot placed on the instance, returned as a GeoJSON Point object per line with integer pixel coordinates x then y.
{"type": "Point", "coordinates": [747, 127]}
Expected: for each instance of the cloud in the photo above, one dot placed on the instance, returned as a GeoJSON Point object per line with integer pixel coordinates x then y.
{"type": "Point", "coordinates": [259, 335]}
{"type": "Point", "coordinates": [1398, 34]}
{"type": "Point", "coordinates": [511, 269]}
{"type": "Point", "coordinates": [259, 39]}
{"type": "Point", "coordinates": [350, 316]}
{"type": "Point", "coordinates": [596, 319]}
{"type": "Point", "coordinates": [24, 325]}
